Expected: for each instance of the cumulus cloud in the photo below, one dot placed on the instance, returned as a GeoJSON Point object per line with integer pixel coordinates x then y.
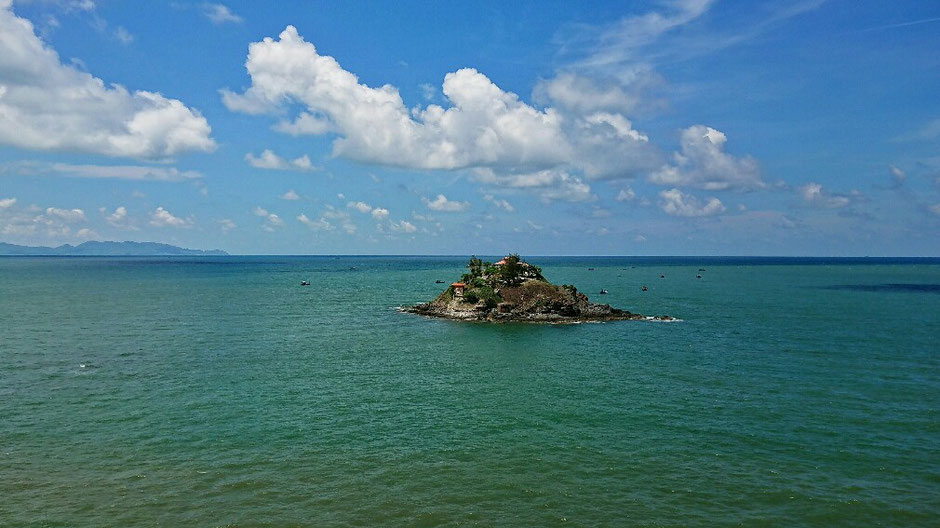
{"type": "Point", "coordinates": [814, 194]}
{"type": "Point", "coordinates": [86, 234]}
{"type": "Point", "coordinates": [342, 217]}
{"type": "Point", "coordinates": [441, 203]}
{"type": "Point", "coordinates": [316, 225]}
{"type": "Point", "coordinates": [160, 217]}
{"type": "Point", "coordinates": [227, 225]}
{"type": "Point", "coordinates": [66, 215]}
{"type": "Point", "coordinates": [583, 94]}
{"type": "Point", "coordinates": [935, 209]}
{"type": "Point", "coordinates": [499, 203]}
{"type": "Point", "coordinates": [483, 126]}
{"type": "Point", "coordinates": [53, 222]}
{"type": "Point", "coordinates": [380, 213]}
{"type": "Point", "coordinates": [362, 207]}
{"type": "Point", "coordinates": [676, 203]}
{"type": "Point", "coordinates": [271, 220]}
{"type": "Point", "coordinates": [219, 14]}
{"type": "Point", "coordinates": [703, 163]}
{"type": "Point", "coordinates": [48, 105]}
{"type": "Point", "coordinates": [269, 160]}
{"type": "Point", "coordinates": [290, 195]}
{"type": "Point", "coordinates": [548, 184]}
{"type": "Point", "coordinates": [403, 226]}
{"type": "Point", "coordinates": [118, 218]}
{"type": "Point", "coordinates": [626, 195]}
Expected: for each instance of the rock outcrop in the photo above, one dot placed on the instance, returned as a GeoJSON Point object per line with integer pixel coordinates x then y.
{"type": "Point", "coordinates": [512, 290]}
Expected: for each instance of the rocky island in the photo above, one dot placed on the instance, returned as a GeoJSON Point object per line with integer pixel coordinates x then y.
{"type": "Point", "coordinates": [514, 290]}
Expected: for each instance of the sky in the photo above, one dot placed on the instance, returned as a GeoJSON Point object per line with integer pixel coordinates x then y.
{"type": "Point", "coordinates": [673, 127]}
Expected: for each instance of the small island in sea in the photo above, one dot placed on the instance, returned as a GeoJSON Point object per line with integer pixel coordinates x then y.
{"type": "Point", "coordinates": [514, 290]}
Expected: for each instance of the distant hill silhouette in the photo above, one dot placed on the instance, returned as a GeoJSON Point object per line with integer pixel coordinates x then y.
{"type": "Point", "coordinates": [96, 248]}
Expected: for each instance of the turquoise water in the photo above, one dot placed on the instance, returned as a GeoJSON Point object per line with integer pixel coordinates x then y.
{"type": "Point", "coordinates": [219, 392]}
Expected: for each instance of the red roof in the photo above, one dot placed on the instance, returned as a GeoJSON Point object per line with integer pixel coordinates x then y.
{"type": "Point", "coordinates": [459, 285]}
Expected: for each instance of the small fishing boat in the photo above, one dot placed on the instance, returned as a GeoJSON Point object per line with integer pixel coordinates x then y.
{"type": "Point", "coordinates": [645, 288]}
{"type": "Point", "coordinates": [305, 283]}
{"type": "Point", "coordinates": [603, 292]}
{"type": "Point", "coordinates": [438, 281]}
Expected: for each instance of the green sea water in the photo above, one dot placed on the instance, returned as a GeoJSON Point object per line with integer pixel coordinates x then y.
{"type": "Point", "coordinates": [220, 392]}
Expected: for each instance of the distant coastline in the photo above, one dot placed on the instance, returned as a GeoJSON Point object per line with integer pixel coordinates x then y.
{"type": "Point", "coordinates": [105, 249]}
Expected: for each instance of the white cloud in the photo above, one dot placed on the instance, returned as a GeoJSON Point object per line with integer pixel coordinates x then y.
{"type": "Point", "coordinates": [290, 195]}
{"type": "Point", "coordinates": [66, 215]}
{"type": "Point", "coordinates": [118, 172]}
{"type": "Point", "coordinates": [675, 202]}
{"type": "Point", "coordinates": [703, 163]}
{"type": "Point", "coordinates": [582, 94]}
{"type": "Point", "coordinates": [403, 226]}
{"type": "Point", "coordinates": [897, 176]}
{"type": "Point", "coordinates": [484, 126]}
{"type": "Point", "coordinates": [123, 35]}
{"type": "Point", "coordinates": [380, 213]}
{"type": "Point", "coordinates": [271, 220]}
{"type": "Point", "coordinates": [86, 234]}
{"type": "Point", "coordinates": [269, 160]}
{"type": "Point", "coordinates": [499, 203]}
{"type": "Point", "coordinates": [935, 209]}
{"type": "Point", "coordinates": [362, 207]}
{"type": "Point", "coordinates": [441, 203]}
{"type": "Point", "coordinates": [219, 14]}
{"type": "Point", "coordinates": [928, 132]}
{"type": "Point", "coordinates": [163, 218]}
{"type": "Point", "coordinates": [428, 91]}
{"type": "Point", "coordinates": [53, 222]}
{"type": "Point", "coordinates": [317, 225]}
{"type": "Point", "coordinates": [227, 225]}
{"type": "Point", "coordinates": [626, 195]}
{"type": "Point", "coordinates": [340, 216]}
{"type": "Point", "coordinates": [118, 218]}
{"type": "Point", "coordinates": [814, 194]}
{"type": "Point", "coordinates": [48, 105]}
{"type": "Point", "coordinates": [549, 185]}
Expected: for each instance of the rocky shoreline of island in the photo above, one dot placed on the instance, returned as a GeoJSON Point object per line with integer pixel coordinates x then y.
{"type": "Point", "coordinates": [513, 290]}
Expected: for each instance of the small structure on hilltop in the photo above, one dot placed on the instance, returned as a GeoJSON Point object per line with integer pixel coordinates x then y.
{"type": "Point", "coordinates": [458, 288]}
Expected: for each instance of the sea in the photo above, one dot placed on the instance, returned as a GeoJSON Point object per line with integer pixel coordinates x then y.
{"type": "Point", "coordinates": [218, 391]}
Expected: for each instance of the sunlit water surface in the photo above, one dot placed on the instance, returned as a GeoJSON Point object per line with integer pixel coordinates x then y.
{"type": "Point", "coordinates": [218, 391]}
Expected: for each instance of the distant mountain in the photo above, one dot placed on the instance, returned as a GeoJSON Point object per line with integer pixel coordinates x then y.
{"type": "Point", "coordinates": [95, 248]}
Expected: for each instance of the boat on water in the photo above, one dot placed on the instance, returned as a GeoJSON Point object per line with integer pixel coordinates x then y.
{"type": "Point", "coordinates": [305, 283]}
{"type": "Point", "coordinates": [603, 292]}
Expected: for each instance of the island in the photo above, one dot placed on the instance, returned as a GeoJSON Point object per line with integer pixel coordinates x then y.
{"type": "Point", "coordinates": [514, 290]}
{"type": "Point", "coordinates": [94, 248]}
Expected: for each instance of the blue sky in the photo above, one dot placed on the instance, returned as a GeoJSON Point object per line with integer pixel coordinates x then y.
{"type": "Point", "coordinates": [683, 127]}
